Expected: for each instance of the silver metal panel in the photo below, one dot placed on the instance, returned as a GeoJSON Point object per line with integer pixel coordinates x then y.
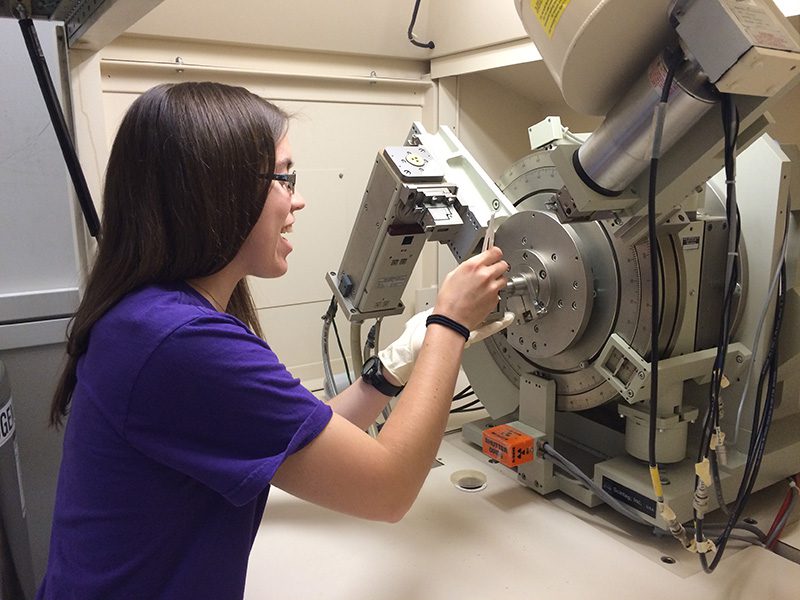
{"type": "Point", "coordinates": [40, 268]}
{"type": "Point", "coordinates": [33, 373]}
{"type": "Point", "coordinates": [38, 252]}
{"type": "Point", "coordinates": [35, 333]}
{"type": "Point", "coordinates": [29, 306]}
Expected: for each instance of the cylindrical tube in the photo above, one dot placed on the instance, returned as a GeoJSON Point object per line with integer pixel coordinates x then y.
{"type": "Point", "coordinates": [621, 148]}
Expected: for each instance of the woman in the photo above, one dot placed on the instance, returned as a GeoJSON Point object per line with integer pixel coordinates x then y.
{"type": "Point", "coordinates": [181, 417]}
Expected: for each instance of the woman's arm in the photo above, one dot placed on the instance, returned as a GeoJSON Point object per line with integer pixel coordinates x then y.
{"type": "Point", "coordinates": [378, 478]}
{"type": "Point", "coordinates": [346, 470]}
{"type": "Point", "coordinates": [360, 403]}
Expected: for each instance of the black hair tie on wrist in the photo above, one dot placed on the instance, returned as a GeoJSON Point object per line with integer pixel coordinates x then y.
{"type": "Point", "coordinates": [448, 322]}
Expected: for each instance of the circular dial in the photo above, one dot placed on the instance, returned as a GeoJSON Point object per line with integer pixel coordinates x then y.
{"type": "Point", "coordinates": [557, 287]}
{"type": "Point", "coordinates": [577, 284]}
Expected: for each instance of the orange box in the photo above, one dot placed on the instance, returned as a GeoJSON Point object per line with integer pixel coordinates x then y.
{"type": "Point", "coordinates": [507, 445]}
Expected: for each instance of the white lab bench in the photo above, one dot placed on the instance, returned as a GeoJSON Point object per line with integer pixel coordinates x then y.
{"type": "Point", "coordinates": [503, 541]}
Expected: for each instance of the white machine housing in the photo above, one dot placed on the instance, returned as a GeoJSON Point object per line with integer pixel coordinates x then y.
{"type": "Point", "coordinates": [572, 216]}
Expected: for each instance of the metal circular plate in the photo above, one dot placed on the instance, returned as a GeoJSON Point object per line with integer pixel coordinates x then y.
{"type": "Point", "coordinates": [611, 271]}
{"type": "Point", "coordinates": [537, 246]}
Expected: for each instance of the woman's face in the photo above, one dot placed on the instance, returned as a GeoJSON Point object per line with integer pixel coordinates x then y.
{"type": "Point", "coordinates": [265, 250]}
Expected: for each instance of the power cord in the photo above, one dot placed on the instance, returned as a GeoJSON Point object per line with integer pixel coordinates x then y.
{"type": "Point", "coordinates": [328, 319]}
{"type": "Point", "coordinates": [430, 45]}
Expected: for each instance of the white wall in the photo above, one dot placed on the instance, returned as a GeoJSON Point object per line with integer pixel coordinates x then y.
{"type": "Point", "coordinates": [343, 116]}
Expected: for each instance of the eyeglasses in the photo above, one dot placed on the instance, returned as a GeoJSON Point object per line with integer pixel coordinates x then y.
{"type": "Point", "coordinates": [288, 179]}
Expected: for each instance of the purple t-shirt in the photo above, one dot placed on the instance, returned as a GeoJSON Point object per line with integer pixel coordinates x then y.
{"type": "Point", "coordinates": [178, 422]}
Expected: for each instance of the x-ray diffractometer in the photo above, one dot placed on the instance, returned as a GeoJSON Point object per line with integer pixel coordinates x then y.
{"type": "Point", "coordinates": [653, 363]}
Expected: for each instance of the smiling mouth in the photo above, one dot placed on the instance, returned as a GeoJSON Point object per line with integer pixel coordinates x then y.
{"type": "Point", "coordinates": [287, 229]}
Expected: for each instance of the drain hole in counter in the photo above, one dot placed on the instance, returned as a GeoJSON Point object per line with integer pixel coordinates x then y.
{"type": "Point", "coordinates": [469, 480]}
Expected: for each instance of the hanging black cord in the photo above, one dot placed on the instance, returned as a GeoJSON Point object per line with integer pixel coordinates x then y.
{"type": "Point", "coordinates": [655, 260]}
{"type": "Point", "coordinates": [761, 425]}
{"type": "Point", "coordinates": [330, 317]}
{"type": "Point", "coordinates": [341, 351]}
{"type": "Point", "coordinates": [57, 118]}
{"type": "Point", "coordinates": [730, 123]}
{"type": "Point", "coordinates": [730, 126]}
{"type": "Point", "coordinates": [411, 39]}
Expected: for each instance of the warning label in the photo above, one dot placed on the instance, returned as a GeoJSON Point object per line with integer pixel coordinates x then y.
{"type": "Point", "coordinates": [549, 13]}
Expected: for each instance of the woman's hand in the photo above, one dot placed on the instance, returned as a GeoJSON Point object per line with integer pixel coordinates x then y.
{"type": "Point", "coordinates": [471, 290]}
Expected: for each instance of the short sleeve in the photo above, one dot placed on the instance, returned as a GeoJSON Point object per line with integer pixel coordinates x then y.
{"type": "Point", "coordinates": [214, 402]}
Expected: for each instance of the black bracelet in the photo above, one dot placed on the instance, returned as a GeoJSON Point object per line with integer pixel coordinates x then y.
{"type": "Point", "coordinates": [447, 322]}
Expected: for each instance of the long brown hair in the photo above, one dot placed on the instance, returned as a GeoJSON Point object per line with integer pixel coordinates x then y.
{"type": "Point", "coordinates": [182, 193]}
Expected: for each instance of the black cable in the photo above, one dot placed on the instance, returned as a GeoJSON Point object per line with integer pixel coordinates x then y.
{"type": "Point", "coordinates": [730, 128]}
{"type": "Point", "coordinates": [468, 410]}
{"type": "Point", "coordinates": [730, 125]}
{"type": "Point", "coordinates": [411, 39]}
{"type": "Point", "coordinates": [341, 351]}
{"type": "Point", "coordinates": [468, 407]}
{"type": "Point", "coordinates": [465, 393]}
{"type": "Point", "coordinates": [330, 317]}
{"type": "Point", "coordinates": [57, 119]}
{"type": "Point", "coordinates": [717, 482]}
{"type": "Point", "coordinates": [761, 425]}
{"type": "Point", "coordinates": [655, 259]}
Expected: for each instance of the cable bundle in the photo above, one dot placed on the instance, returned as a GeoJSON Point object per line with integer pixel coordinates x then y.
{"type": "Point", "coordinates": [766, 388]}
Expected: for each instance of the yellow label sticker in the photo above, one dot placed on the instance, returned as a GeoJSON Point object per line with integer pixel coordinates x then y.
{"type": "Point", "coordinates": [549, 13]}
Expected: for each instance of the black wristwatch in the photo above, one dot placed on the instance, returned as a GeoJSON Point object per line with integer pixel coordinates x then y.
{"type": "Point", "coordinates": [372, 373]}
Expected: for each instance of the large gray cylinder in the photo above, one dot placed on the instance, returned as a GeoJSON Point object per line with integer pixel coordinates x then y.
{"type": "Point", "coordinates": [621, 148]}
{"type": "Point", "coordinates": [16, 566]}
